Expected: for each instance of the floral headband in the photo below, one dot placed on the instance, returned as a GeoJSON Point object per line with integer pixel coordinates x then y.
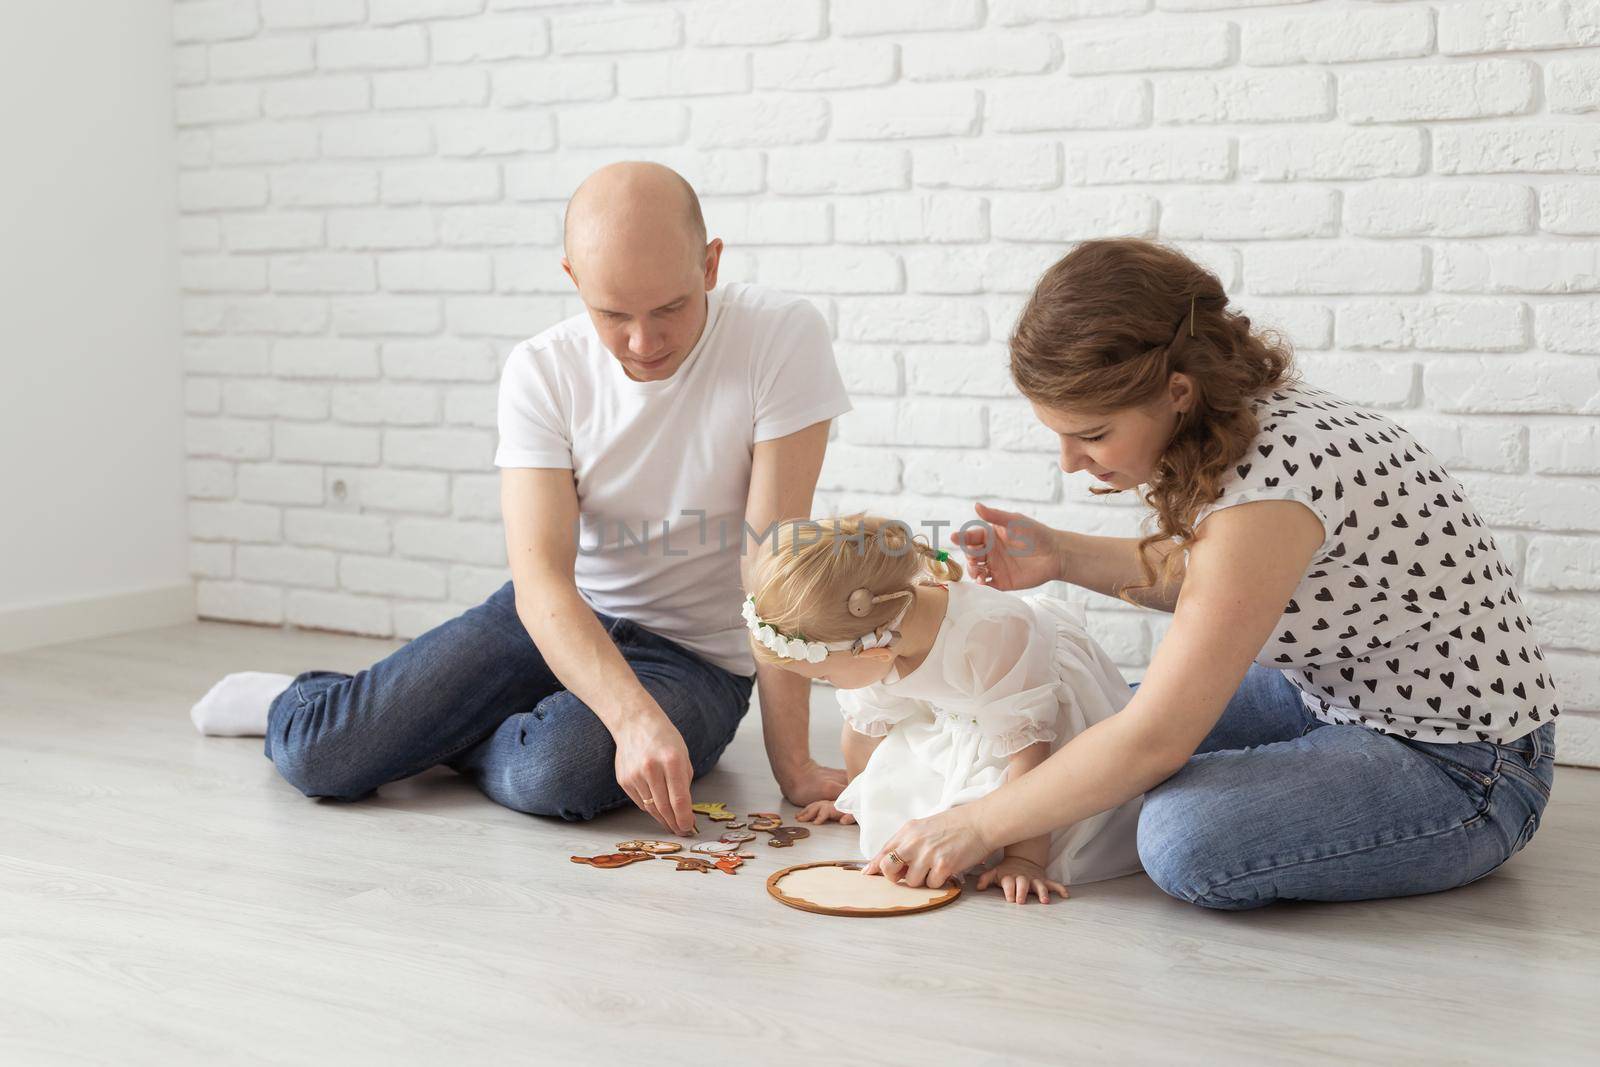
{"type": "Point", "coordinates": [796, 647]}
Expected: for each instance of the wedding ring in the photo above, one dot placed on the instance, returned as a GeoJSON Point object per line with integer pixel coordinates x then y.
{"type": "Point", "coordinates": [895, 856]}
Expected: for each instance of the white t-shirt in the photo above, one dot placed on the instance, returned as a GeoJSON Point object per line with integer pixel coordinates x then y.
{"type": "Point", "coordinates": [662, 468]}
{"type": "Point", "coordinates": [1408, 620]}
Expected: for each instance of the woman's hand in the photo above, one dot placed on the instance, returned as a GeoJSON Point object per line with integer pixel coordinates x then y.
{"type": "Point", "coordinates": [1018, 877]}
{"type": "Point", "coordinates": [1016, 552]}
{"type": "Point", "coordinates": [932, 851]}
{"type": "Point", "coordinates": [823, 810]}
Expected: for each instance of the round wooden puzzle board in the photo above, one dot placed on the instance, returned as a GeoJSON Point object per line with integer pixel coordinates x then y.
{"type": "Point", "coordinates": [833, 894]}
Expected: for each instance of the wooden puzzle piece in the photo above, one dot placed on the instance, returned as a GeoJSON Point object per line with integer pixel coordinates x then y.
{"type": "Point", "coordinates": [765, 822]}
{"type": "Point", "coordinates": [691, 863]}
{"type": "Point", "coordinates": [613, 859]}
{"type": "Point", "coordinates": [736, 826]}
{"type": "Point", "coordinates": [785, 836]}
{"type": "Point", "coordinates": [716, 811]}
{"type": "Point", "coordinates": [729, 864]}
{"type": "Point", "coordinates": [655, 848]}
{"type": "Point", "coordinates": [737, 837]}
{"type": "Point", "coordinates": [715, 848]}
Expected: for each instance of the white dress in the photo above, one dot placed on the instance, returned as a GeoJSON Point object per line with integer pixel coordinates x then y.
{"type": "Point", "coordinates": [1005, 671]}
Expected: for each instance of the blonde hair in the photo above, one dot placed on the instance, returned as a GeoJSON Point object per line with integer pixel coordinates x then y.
{"type": "Point", "coordinates": [802, 584]}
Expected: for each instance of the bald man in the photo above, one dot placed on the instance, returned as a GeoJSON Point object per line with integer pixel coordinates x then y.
{"type": "Point", "coordinates": [641, 445]}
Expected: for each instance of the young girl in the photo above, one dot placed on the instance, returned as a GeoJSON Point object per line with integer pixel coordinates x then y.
{"type": "Point", "coordinates": [948, 688]}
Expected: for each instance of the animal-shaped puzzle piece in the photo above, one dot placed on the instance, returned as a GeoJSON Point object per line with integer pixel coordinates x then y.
{"type": "Point", "coordinates": [729, 864]}
{"type": "Point", "coordinates": [716, 812]}
{"type": "Point", "coordinates": [785, 836]}
{"type": "Point", "coordinates": [613, 859]}
{"type": "Point", "coordinates": [715, 848]}
{"type": "Point", "coordinates": [736, 826]}
{"type": "Point", "coordinates": [765, 820]}
{"type": "Point", "coordinates": [692, 863]}
{"type": "Point", "coordinates": [737, 837]}
{"type": "Point", "coordinates": [655, 848]}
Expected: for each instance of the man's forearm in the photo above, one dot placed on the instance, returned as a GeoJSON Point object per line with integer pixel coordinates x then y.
{"type": "Point", "coordinates": [785, 720]}
{"type": "Point", "coordinates": [1108, 564]}
{"type": "Point", "coordinates": [581, 654]}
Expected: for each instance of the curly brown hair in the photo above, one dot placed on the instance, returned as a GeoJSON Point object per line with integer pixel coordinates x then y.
{"type": "Point", "coordinates": [1107, 327]}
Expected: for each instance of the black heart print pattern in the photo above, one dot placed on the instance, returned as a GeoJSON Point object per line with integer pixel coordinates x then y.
{"type": "Point", "coordinates": [1408, 620]}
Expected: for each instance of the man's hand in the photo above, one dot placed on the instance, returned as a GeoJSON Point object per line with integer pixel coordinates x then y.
{"type": "Point", "coordinates": [653, 768]}
{"type": "Point", "coordinates": [813, 782]}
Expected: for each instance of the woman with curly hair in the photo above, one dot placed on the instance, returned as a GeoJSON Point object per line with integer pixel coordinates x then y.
{"type": "Point", "coordinates": [1350, 701]}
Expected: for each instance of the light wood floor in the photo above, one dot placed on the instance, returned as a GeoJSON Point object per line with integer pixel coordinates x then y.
{"type": "Point", "coordinates": [165, 898]}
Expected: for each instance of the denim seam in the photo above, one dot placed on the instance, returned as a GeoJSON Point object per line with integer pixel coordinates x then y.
{"type": "Point", "coordinates": [1485, 780]}
{"type": "Point", "coordinates": [1523, 774]}
{"type": "Point", "coordinates": [1529, 828]}
{"type": "Point", "coordinates": [1422, 836]}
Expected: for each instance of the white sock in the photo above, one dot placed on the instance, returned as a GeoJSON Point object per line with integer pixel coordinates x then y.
{"type": "Point", "coordinates": [237, 706]}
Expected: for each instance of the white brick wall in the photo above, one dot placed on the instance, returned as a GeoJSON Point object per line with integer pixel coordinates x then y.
{"type": "Point", "coordinates": [371, 192]}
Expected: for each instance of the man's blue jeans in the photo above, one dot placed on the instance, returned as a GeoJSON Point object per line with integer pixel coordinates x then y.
{"type": "Point", "coordinates": [474, 693]}
{"type": "Point", "coordinates": [1276, 805]}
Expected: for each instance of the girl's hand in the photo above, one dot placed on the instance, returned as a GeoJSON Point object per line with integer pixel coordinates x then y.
{"type": "Point", "coordinates": [1015, 552]}
{"type": "Point", "coordinates": [821, 811]}
{"type": "Point", "coordinates": [932, 851]}
{"type": "Point", "coordinates": [1019, 877]}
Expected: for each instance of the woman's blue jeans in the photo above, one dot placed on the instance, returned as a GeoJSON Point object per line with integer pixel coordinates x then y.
{"type": "Point", "coordinates": [1275, 805]}
{"type": "Point", "coordinates": [475, 694]}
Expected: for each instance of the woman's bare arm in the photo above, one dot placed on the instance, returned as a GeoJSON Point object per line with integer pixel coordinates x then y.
{"type": "Point", "coordinates": [1242, 570]}
{"type": "Point", "coordinates": [1109, 564]}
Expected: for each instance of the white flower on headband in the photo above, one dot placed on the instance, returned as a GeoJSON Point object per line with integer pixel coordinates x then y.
{"type": "Point", "coordinates": [788, 647]}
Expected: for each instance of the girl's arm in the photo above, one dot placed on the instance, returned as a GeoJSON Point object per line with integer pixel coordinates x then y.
{"type": "Point", "coordinates": [1034, 849]}
{"type": "Point", "coordinates": [858, 749]}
